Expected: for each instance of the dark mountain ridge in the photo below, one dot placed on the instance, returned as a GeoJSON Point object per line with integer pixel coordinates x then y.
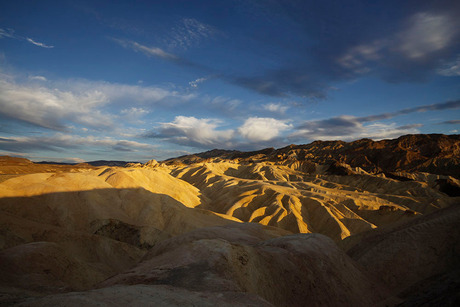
{"type": "Point", "coordinates": [431, 153]}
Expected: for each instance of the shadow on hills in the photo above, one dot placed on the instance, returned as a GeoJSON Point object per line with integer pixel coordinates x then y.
{"type": "Point", "coordinates": [122, 214]}
{"type": "Point", "coordinates": [65, 241]}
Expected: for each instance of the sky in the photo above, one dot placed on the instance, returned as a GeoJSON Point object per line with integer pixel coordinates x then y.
{"type": "Point", "coordinates": [141, 80]}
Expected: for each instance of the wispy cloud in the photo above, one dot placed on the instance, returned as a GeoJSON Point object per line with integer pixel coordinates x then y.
{"type": "Point", "coordinates": [63, 142]}
{"type": "Point", "coordinates": [148, 51]}
{"type": "Point", "coordinates": [275, 107]}
{"type": "Point", "coordinates": [350, 127]}
{"type": "Point", "coordinates": [157, 52]}
{"type": "Point", "coordinates": [426, 34]}
{"type": "Point", "coordinates": [134, 114]}
{"type": "Point", "coordinates": [38, 78]}
{"type": "Point", "coordinates": [450, 122]}
{"type": "Point", "coordinates": [189, 32]}
{"type": "Point", "coordinates": [451, 69]}
{"type": "Point", "coordinates": [409, 126]}
{"type": "Point", "coordinates": [410, 47]}
{"type": "Point", "coordinates": [56, 105]}
{"type": "Point", "coordinates": [10, 33]}
{"type": "Point", "coordinates": [51, 108]}
{"type": "Point", "coordinates": [417, 44]}
{"type": "Point", "coordinates": [197, 82]}
{"type": "Point", "coordinates": [455, 104]}
{"type": "Point", "coordinates": [38, 43]}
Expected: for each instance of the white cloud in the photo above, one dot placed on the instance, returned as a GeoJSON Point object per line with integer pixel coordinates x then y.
{"type": "Point", "coordinates": [38, 78]}
{"type": "Point", "coordinates": [7, 33]}
{"type": "Point", "coordinates": [357, 58]}
{"type": "Point", "coordinates": [275, 108]}
{"type": "Point", "coordinates": [47, 107]}
{"type": "Point", "coordinates": [223, 104]}
{"type": "Point", "coordinates": [59, 104]}
{"type": "Point", "coordinates": [208, 133]}
{"type": "Point", "coordinates": [451, 69]}
{"type": "Point", "coordinates": [426, 33]}
{"type": "Point", "coordinates": [258, 129]}
{"type": "Point", "coordinates": [134, 93]}
{"type": "Point", "coordinates": [137, 112]}
{"type": "Point", "coordinates": [153, 51]}
{"type": "Point", "coordinates": [38, 43]}
{"type": "Point", "coordinates": [134, 114]}
{"type": "Point", "coordinates": [149, 51]}
{"type": "Point", "coordinates": [423, 35]}
{"type": "Point", "coordinates": [195, 131]}
{"type": "Point", "coordinates": [195, 83]}
{"type": "Point", "coordinates": [348, 128]}
{"type": "Point", "coordinates": [379, 131]}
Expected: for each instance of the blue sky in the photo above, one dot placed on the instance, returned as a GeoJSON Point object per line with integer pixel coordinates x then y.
{"type": "Point", "coordinates": [136, 80]}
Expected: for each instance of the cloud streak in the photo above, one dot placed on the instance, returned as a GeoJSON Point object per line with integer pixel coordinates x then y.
{"type": "Point", "coordinates": [450, 122]}
{"type": "Point", "coordinates": [38, 43]}
{"type": "Point", "coordinates": [148, 51]}
{"type": "Point", "coordinates": [455, 104]}
{"type": "Point", "coordinates": [64, 142]}
{"type": "Point", "coordinates": [350, 127]}
{"type": "Point", "coordinates": [10, 33]}
{"type": "Point", "coordinates": [157, 52]}
{"type": "Point", "coordinates": [451, 69]}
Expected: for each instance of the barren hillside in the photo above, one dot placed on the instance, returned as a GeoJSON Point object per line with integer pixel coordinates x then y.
{"type": "Point", "coordinates": [259, 229]}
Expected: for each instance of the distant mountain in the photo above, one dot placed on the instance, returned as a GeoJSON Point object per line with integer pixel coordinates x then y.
{"type": "Point", "coordinates": [432, 153]}
{"type": "Point", "coordinates": [92, 163]}
{"type": "Point", "coordinates": [7, 160]}
{"type": "Point", "coordinates": [108, 163]}
{"type": "Point", "coordinates": [53, 162]}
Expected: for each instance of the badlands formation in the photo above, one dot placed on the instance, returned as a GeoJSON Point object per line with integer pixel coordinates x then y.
{"type": "Point", "coordinates": [325, 224]}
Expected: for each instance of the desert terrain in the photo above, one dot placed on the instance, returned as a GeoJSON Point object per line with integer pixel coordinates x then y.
{"type": "Point", "coordinates": [365, 223]}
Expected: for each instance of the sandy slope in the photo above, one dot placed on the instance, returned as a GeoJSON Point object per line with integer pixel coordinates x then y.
{"type": "Point", "coordinates": [306, 199]}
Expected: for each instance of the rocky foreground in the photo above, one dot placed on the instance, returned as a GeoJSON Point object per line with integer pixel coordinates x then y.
{"type": "Point", "coordinates": [326, 224]}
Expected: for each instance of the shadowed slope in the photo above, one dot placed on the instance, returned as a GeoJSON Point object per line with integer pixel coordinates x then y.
{"type": "Point", "coordinates": [291, 270]}
{"type": "Point", "coordinates": [418, 260]}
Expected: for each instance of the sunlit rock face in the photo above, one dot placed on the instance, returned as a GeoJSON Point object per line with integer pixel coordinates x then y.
{"type": "Point", "coordinates": [324, 224]}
